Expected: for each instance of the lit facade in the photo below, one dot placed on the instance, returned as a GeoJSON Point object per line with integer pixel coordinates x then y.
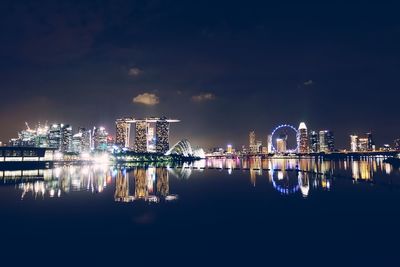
{"type": "Point", "coordinates": [123, 132]}
{"type": "Point", "coordinates": [252, 143]}
{"type": "Point", "coordinates": [162, 135]}
{"type": "Point", "coordinates": [302, 138]}
{"type": "Point", "coordinates": [66, 138]}
{"type": "Point", "coordinates": [141, 137]}
{"type": "Point", "coordinates": [314, 142]}
{"type": "Point", "coordinates": [99, 139]}
{"type": "Point", "coordinates": [281, 145]}
{"type": "Point", "coordinates": [354, 143]}
{"type": "Point", "coordinates": [326, 141]}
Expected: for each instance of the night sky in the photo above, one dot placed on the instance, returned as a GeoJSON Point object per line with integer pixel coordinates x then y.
{"type": "Point", "coordinates": [222, 67]}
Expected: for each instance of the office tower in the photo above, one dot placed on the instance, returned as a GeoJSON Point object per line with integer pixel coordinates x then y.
{"type": "Point", "coordinates": [371, 143]}
{"type": "Point", "coordinates": [77, 143]}
{"type": "Point", "coordinates": [229, 149]}
{"type": "Point", "coordinates": [354, 143]}
{"type": "Point", "coordinates": [314, 142]}
{"type": "Point", "coordinates": [269, 144]}
{"type": "Point", "coordinates": [151, 138]}
{"type": "Point", "coordinates": [259, 146]}
{"type": "Point", "coordinates": [55, 136]}
{"type": "Point", "coordinates": [302, 138]}
{"type": "Point", "coordinates": [281, 145]}
{"type": "Point", "coordinates": [326, 141]}
{"type": "Point", "coordinates": [162, 135]}
{"type": "Point", "coordinates": [123, 132]}
{"type": "Point", "coordinates": [397, 144]}
{"type": "Point", "coordinates": [66, 138]}
{"type": "Point", "coordinates": [252, 142]}
{"type": "Point", "coordinates": [141, 136]}
{"type": "Point", "coordinates": [100, 138]}
{"type": "Point", "coordinates": [86, 139]}
{"type": "Point", "coordinates": [363, 144]}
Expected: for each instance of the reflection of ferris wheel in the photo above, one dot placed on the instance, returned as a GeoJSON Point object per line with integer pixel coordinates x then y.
{"type": "Point", "coordinates": [286, 128]}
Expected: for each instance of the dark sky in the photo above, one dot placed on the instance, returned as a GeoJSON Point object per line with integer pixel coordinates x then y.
{"type": "Point", "coordinates": [222, 67]}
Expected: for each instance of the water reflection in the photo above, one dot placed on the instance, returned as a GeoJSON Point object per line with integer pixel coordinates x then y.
{"type": "Point", "coordinates": [152, 183]}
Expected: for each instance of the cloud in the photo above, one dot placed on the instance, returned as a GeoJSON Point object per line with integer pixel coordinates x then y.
{"type": "Point", "coordinates": [203, 97]}
{"type": "Point", "coordinates": [308, 83]}
{"type": "Point", "coordinates": [135, 72]}
{"type": "Point", "coordinates": [146, 99]}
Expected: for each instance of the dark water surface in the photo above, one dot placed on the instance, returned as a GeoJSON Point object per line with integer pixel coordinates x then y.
{"type": "Point", "coordinates": [339, 213]}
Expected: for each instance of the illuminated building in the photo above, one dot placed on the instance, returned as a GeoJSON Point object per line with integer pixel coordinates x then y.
{"type": "Point", "coordinates": [354, 143]}
{"type": "Point", "coordinates": [269, 144]}
{"type": "Point", "coordinates": [152, 134]}
{"type": "Point", "coordinates": [259, 146]}
{"type": "Point", "coordinates": [326, 141]}
{"type": "Point", "coordinates": [363, 144]}
{"type": "Point", "coordinates": [229, 149]}
{"type": "Point", "coordinates": [314, 142]}
{"type": "Point", "coordinates": [86, 139]}
{"type": "Point", "coordinates": [141, 136]}
{"type": "Point", "coordinates": [77, 143]}
{"type": "Point", "coordinates": [252, 143]}
{"type": "Point", "coordinates": [100, 136]}
{"type": "Point", "coordinates": [123, 132]}
{"type": "Point", "coordinates": [162, 135]}
{"type": "Point", "coordinates": [55, 136]}
{"type": "Point", "coordinates": [302, 138]}
{"type": "Point", "coordinates": [397, 144]}
{"type": "Point", "coordinates": [66, 138]}
{"type": "Point", "coordinates": [371, 143]}
{"type": "Point", "coordinates": [281, 145]}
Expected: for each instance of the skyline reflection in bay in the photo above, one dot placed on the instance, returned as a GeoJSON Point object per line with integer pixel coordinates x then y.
{"type": "Point", "coordinates": [151, 183]}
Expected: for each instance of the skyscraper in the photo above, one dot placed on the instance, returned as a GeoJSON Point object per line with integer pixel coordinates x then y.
{"type": "Point", "coordinates": [252, 142]}
{"type": "Point", "coordinates": [86, 139]}
{"type": "Point", "coordinates": [302, 138]}
{"type": "Point", "coordinates": [55, 136]}
{"type": "Point", "coordinates": [371, 143]}
{"type": "Point", "coordinates": [269, 144]}
{"type": "Point", "coordinates": [397, 144]}
{"type": "Point", "coordinates": [281, 145]}
{"type": "Point", "coordinates": [66, 138]}
{"type": "Point", "coordinates": [77, 143]}
{"type": "Point", "coordinates": [123, 131]}
{"type": "Point", "coordinates": [326, 141]}
{"type": "Point", "coordinates": [354, 143]}
{"type": "Point", "coordinates": [314, 142]}
{"type": "Point", "coordinates": [141, 136]}
{"type": "Point", "coordinates": [100, 138]}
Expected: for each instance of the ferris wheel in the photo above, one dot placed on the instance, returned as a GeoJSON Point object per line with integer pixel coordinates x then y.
{"type": "Point", "coordinates": [284, 134]}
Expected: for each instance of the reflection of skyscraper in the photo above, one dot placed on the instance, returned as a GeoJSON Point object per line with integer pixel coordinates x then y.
{"type": "Point", "coordinates": [314, 142]}
{"type": "Point", "coordinates": [302, 138]}
{"type": "Point", "coordinates": [326, 141]}
{"type": "Point", "coordinates": [141, 137]}
{"type": "Point", "coordinates": [162, 182]}
{"type": "Point", "coordinates": [123, 129]}
{"type": "Point", "coordinates": [122, 187]}
{"type": "Point", "coordinates": [140, 183]}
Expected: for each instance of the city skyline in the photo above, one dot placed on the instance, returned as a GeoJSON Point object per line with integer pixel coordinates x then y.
{"type": "Point", "coordinates": [222, 68]}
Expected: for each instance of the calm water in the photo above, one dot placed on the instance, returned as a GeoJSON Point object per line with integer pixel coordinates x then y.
{"type": "Point", "coordinates": [210, 212]}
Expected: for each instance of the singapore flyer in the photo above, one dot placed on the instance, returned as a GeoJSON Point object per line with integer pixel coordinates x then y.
{"type": "Point", "coordinates": [284, 139]}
